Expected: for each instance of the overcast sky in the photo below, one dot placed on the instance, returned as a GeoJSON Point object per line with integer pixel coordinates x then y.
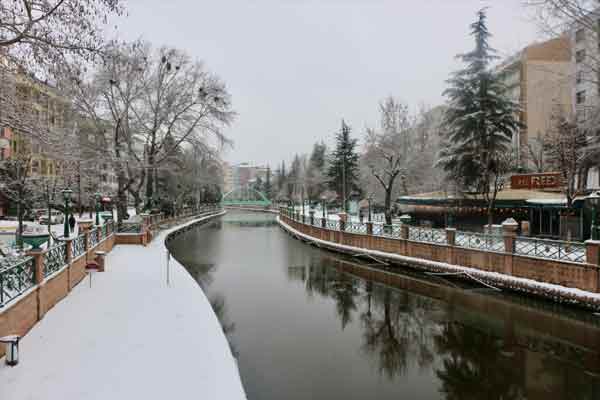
{"type": "Point", "coordinates": [295, 68]}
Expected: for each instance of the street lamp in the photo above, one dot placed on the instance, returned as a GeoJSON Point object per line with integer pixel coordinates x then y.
{"type": "Point", "coordinates": [324, 202]}
{"type": "Point", "coordinates": [594, 200]}
{"type": "Point", "coordinates": [66, 196]}
{"type": "Point", "coordinates": [97, 197]}
{"type": "Point", "coordinates": [370, 199]}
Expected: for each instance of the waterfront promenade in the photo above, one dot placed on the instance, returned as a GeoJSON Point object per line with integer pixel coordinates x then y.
{"type": "Point", "coordinates": [129, 336]}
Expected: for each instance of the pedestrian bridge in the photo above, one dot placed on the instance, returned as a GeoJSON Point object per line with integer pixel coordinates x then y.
{"type": "Point", "coordinates": [245, 197]}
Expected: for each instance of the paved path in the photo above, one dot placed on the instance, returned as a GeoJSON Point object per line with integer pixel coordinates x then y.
{"type": "Point", "coordinates": [128, 337]}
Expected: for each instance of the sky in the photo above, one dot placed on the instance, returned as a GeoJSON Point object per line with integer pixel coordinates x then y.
{"type": "Point", "coordinates": [295, 68]}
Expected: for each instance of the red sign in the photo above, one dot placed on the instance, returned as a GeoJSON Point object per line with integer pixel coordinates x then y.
{"type": "Point", "coordinates": [535, 181]}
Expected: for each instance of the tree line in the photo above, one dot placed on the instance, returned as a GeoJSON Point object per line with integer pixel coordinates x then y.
{"type": "Point", "coordinates": [152, 116]}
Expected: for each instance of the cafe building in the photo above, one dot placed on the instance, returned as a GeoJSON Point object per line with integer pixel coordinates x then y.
{"type": "Point", "coordinates": [534, 200]}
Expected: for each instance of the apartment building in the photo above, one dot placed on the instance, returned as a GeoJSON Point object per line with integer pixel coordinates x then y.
{"type": "Point", "coordinates": [539, 78]}
{"type": "Point", "coordinates": [585, 42]}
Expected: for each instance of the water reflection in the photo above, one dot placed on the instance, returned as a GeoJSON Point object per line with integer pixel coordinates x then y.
{"type": "Point", "coordinates": [474, 356]}
{"type": "Point", "coordinates": [311, 324]}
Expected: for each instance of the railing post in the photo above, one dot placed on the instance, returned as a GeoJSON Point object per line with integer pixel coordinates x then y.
{"type": "Point", "coordinates": [369, 228]}
{"type": "Point", "coordinates": [509, 230]}
{"type": "Point", "coordinates": [312, 216]}
{"type": "Point", "coordinates": [69, 250]}
{"type": "Point", "coordinates": [323, 222]}
{"type": "Point", "coordinates": [403, 231]}
{"type": "Point", "coordinates": [592, 252]}
{"type": "Point", "coordinates": [86, 241]}
{"type": "Point", "coordinates": [38, 259]}
{"type": "Point", "coordinates": [451, 236]}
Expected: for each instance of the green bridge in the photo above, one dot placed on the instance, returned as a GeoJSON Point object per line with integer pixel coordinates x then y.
{"type": "Point", "coordinates": [245, 197]}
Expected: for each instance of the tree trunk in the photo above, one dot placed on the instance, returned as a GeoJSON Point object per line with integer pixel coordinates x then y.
{"type": "Point", "coordinates": [20, 219]}
{"type": "Point", "coordinates": [490, 215]}
{"type": "Point", "coordinates": [121, 196]}
{"type": "Point", "coordinates": [388, 205]}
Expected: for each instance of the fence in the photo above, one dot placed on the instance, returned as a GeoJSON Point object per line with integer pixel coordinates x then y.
{"type": "Point", "coordinates": [17, 275]}
{"type": "Point", "coordinates": [541, 248]}
{"type": "Point", "coordinates": [55, 258]}
{"type": "Point", "coordinates": [552, 249]}
{"type": "Point", "coordinates": [480, 241]}
{"type": "Point", "coordinates": [427, 235]}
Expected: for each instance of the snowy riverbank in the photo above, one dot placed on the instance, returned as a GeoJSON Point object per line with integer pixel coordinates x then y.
{"type": "Point", "coordinates": [129, 336]}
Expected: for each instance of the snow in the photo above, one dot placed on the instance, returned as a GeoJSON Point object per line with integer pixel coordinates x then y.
{"type": "Point", "coordinates": [547, 289]}
{"type": "Point", "coordinates": [129, 336]}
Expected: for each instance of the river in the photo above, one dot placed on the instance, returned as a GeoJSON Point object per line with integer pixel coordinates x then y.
{"type": "Point", "coordinates": [309, 324]}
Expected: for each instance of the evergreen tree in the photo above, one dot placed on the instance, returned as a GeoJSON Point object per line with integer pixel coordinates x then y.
{"type": "Point", "coordinates": [293, 179]}
{"type": "Point", "coordinates": [479, 121]}
{"type": "Point", "coordinates": [343, 166]}
{"type": "Point", "coordinates": [267, 186]}
{"type": "Point", "coordinates": [315, 173]}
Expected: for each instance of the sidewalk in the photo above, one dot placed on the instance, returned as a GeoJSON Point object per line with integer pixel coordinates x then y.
{"type": "Point", "coordinates": [128, 337]}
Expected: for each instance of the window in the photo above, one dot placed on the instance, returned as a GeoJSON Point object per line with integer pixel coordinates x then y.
{"type": "Point", "coordinates": [579, 35]}
{"type": "Point", "coordinates": [580, 97]}
{"type": "Point", "coordinates": [579, 56]}
{"type": "Point", "coordinates": [35, 167]}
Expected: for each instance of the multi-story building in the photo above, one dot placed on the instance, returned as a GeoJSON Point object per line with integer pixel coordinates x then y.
{"type": "Point", "coordinates": [242, 175]}
{"type": "Point", "coordinates": [227, 177]}
{"type": "Point", "coordinates": [539, 78]}
{"type": "Point", "coordinates": [584, 37]}
{"type": "Point", "coordinates": [50, 137]}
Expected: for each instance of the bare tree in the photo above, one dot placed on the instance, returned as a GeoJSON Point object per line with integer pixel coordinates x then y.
{"type": "Point", "coordinates": [106, 105]}
{"type": "Point", "coordinates": [181, 103]}
{"type": "Point", "coordinates": [565, 150]}
{"type": "Point", "coordinates": [535, 150]}
{"type": "Point", "coordinates": [387, 152]}
{"type": "Point", "coordinates": [45, 31]}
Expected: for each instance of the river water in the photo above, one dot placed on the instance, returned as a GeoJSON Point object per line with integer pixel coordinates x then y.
{"type": "Point", "coordinates": [309, 324]}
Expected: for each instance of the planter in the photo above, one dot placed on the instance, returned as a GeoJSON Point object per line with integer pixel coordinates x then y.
{"type": "Point", "coordinates": [35, 239]}
{"type": "Point", "coordinates": [106, 216]}
{"type": "Point", "coordinates": [85, 224]}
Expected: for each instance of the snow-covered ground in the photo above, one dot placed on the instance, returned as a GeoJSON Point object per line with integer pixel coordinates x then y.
{"type": "Point", "coordinates": [129, 336]}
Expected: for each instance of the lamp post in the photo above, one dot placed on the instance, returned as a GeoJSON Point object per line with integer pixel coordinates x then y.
{"type": "Point", "coordinates": [594, 200]}
{"type": "Point", "coordinates": [97, 197]}
{"type": "Point", "coordinates": [67, 197]}
{"type": "Point", "coordinates": [324, 206]}
{"type": "Point", "coordinates": [370, 199]}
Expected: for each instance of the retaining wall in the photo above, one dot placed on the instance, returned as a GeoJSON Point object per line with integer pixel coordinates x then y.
{"type": "Point", "coordinates": [584, 276]}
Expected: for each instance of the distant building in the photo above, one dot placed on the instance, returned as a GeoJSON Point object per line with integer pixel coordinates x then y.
{"type": "Point", "coordinates": [242, 175]}
{"type": "Point", "coordinates": [539, 78]}
{"type": "Point", "coordinates": [227, 177]}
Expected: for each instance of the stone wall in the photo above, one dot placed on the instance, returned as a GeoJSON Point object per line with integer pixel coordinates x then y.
{"type": "Point", "coordinates": [583, 276]}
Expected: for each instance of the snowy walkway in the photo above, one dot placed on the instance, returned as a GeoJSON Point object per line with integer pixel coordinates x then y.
{"type": "Point", "coordinates": [128, 337]}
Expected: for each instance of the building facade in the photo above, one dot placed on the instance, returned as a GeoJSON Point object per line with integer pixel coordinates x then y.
{"type": "Point", "coordinates": [539, 78]}
{"type": "Point", "coordinates": [586, 82]}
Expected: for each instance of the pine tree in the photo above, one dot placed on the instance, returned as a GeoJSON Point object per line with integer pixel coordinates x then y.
{"type": "Point", "coordinates": [315, 172]}
{"type": "Point", "coordinates": [267, 186]}
{"type": "Point", "coordinates": [479, 121]}
{"type": "Point", "coordinates": [343, 166]}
